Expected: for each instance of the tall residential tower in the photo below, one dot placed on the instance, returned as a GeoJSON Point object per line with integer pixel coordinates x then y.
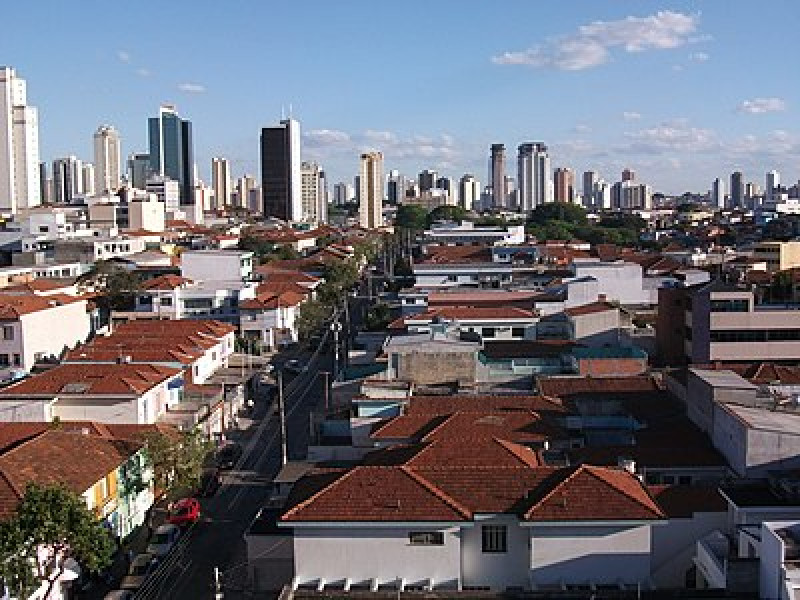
{"type": "Point", "coordinates": [19, 145]}
{"type": "Point", "coordinates": [533, 176]}
{"type": "Point", "coordinates": [370, 209]}
{"type": "Point", "coordinates": [107, 175]}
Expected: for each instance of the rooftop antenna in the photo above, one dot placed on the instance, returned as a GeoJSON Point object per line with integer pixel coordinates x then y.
{"type": "Point", "coordinates": [283, 112]}
{"type": "Point", "coordinates": [290, 110]}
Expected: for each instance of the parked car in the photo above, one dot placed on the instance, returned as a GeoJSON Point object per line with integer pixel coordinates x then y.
{"type": "Point", "coordinates": [119, 595]}
{"type": "Point", "coordinates": [141, 568]}
{"type": "Point", "coordinates": [228, 455]}
{"type": "Point", "coordinates": [184, 512]}
{"type": "Point", "coordinates": [294, 365]}
{"type": "Point", "coordinates": [163, 540]}
{"type": "Point", "coordinates": [210, 482]}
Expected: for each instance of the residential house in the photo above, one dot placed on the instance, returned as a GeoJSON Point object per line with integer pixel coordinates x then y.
{"type": "Point", "coordinates": [496, 322]}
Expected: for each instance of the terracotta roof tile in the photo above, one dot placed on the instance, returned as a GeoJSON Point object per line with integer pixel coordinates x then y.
{"type": "Point", "coordinates": [445, 405]}
{"type": "Point", "coordinates": [589, 309]}
{"type": "Point", "coordinates": [12, 307]}
{"type": "Point", "coordinates": [165, 282]}
{"type": "Point", "coordinates": [682, 501]}
{"type": "Point", "coordinates": [563, 387]}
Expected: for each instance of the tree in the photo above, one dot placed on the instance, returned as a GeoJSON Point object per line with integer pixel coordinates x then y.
{"type": "Point", "coordinates": [558, 211]}
{"type": "Point", "coordinates": [117, 284]}
{"type": "Point", "coordinates": [51, 525]}
{"type": "Point", "coordinates": [411, 216]}
{"type": "Point", "coordinates": [310, 317]}
{"type": "Point", "coordinates": [177, 461]}
{"type": "Point", "coordinates": [378, 317]}
{"type": "Point", "coordinates": [260, 247]}
{"type": "Point", "coordinates": [446, 213]}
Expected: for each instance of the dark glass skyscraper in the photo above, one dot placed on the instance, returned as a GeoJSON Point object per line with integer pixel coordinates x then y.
{"type": "Point", "coordinates": [280, 171]}
{"type": "Point", "coordinates": [172, 151]}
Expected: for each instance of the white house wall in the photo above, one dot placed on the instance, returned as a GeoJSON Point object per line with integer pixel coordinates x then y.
{"type": "Point", "coordinates": [496, 570]}
{"type": "Point", "coordinates": [49, 331]}
{"type": "Point", "coordinates": [579, 554]}
{"type": "Point", "coordinates": [13, 410]}
{"type": "Point", "coordinates": [382, 553]}
{"type": "Point", "coordinates": [674, 544]}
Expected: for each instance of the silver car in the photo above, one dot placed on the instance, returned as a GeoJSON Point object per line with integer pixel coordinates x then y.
{"type": "Point", "coordinates": [163, 540]}
{"type": "Point", "coordinates": [141, 568]}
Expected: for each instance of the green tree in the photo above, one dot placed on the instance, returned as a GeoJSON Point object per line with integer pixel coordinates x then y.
{"type": "Point", "coordinates": [117, 284]}
{"type": "Point", "coordinates": [378, 317]}
{"type": "Point", "coordinates": [446, 213]}
{"type": "Point", "coordinates": [260, 247]}
{"type": "Point", "coordinates": [558, 211]}
{"type": "Point", "coordinates": [411, 216]}
{"type": "Point", "coordinates": [50, 525]}
{"type": "Point", "coordinates": [310, 317]}
{"type": "Point", "coordinates": [177, 461]}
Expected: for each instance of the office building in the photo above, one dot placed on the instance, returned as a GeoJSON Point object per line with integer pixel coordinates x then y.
{"type": "Point", "coordinates": [138, 170]}
{"type": "Point", "coordinates": [221, 182]}
{"type": "Point", "coordinates": [469, 191]}
{"type": "Point", "coordinates": [773, 184]}
{"type": "Point", "coordinates": [310, 192]}
{"type": "Point", "coordinates": [497, 174]}
{"type": "Point", "coordinates": [718, 193]}
{"type": "Point", "coordinates": [19, 145]}
{"type": "Point", "coordinates": [245, 187]}
{"type": "Point", "coordinates": [737, 190]}
{"type": "Point", "coordinates": [396, 186]}
{"type": "Point", "coordinates": [448, 185]}
{"type": "Point", "coordinates": [357, 189]}
{"type": "Point", "coordinates": [107, 166]}
{"type": "Point", "coordinates": [342, 193]}
{"type": "Point", "coordinates": [67, 179]}
{"type": "Point", "coordinates": [590, 178]}
{"type": "Point", "coordinates": [44, 185]}
{"type": "Point", "coordinates": [168, 191]}
{"type": "Point", "coordinates": [628, 175]}
{"type": "Point", "coordinates": [427, 180]}
{"type": "Point", "coordinates": [281, 191]}
{"type": "Point", "coordinates": [323, 198]}
{"type": "Point", "coordinates": [533, 176]}
{"type": "Point", "coordinates": [172, 150]}
{"type": "Point", "coordinates": [88, 174]}
{"type": "Point", "coordinates": [370, 207]}
{"type": "Point", "coordinates": [564, 185]}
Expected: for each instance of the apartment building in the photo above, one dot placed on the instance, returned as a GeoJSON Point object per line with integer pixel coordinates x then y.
{"type": "Point", "coordinates": [778, 255]}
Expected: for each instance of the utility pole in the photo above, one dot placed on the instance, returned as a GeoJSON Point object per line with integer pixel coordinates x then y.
{"type": "Point", "coordinates": [282, 411]}
{"type": "Point", "coordinates": [218, 595]}
{"type": "Point", "coordinates": [327, 390]}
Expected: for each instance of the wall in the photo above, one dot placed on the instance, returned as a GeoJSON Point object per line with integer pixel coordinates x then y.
{"type": "Point", "coordinates": [49, 331]}
{"type": "Point", "coordinates": [430, 367]}
{"type": "Point", "coordinates": [105, 410]}
{"type": "Point", "coordinates": [496, 570]}
{"type": "Point", "coordinates": [729, 436]}
{"type": "Point", "coordinates": [215, 266]}
{"type": "Point", "coordinates": [599, 367]}
{"type": "Point", "coordinates": [596, 553]}
{"type": "Point", "coordinates": [596, 329]}
{"type": "Point", "coordinates": [770, 450]}
{"type": "Point", "coordinates": [13, 409]}
{"type": "Point", "coordinates": [336, 553]}
{"type": "Point", "coordinates": [619, 281]}
{"type": "Point", "coordinates": [771, 555]}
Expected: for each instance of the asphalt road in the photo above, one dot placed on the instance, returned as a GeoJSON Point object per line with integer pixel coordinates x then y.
{"type": "Point", "coordinates": [218, 541]}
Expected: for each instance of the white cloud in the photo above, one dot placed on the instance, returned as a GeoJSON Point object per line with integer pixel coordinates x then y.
{"type": "Point", "coordinates": [699, 56]}
{"type": "Point", "coordinates": [582, 128]}
{"type": "Point", "coordinates": [677, 68]}
{"type": "Point", "coordinates": [630, 115]}
{"type": "Point", "coordinates": [676, 135]}
{"type": "Point", "coordinates": [758, 106]}
{"type": "Point", "coordinates": [591, 45]}
{"type": "Point", "coordinates": [326, 137]}
{"type": "Point", "coordinates": [142, 72]}
{"type": "Point", "coordinates": [124, 56]}
{"type": "Point", "coordinates": [192, 88]}
{"type": "Point", "coordinates": [379, 136]}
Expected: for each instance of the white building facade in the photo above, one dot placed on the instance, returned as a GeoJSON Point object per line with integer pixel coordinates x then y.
{"type": "Point", "coordinates": [19, 145]}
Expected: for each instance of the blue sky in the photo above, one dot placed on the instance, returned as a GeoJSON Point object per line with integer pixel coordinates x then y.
{"type": "Point", "coordinates": [681, 92]}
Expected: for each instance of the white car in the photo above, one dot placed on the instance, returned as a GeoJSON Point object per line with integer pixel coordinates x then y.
{"type": "Point", "coordinates": [163, 539]}
{"type": "Point", "coordinates": [119, 595]}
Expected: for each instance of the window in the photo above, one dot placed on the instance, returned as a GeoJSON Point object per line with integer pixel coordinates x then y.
{"type": "Point", "coordinates": [166, 301]}
{"type": "Point", "coordinates": [487, 332]}
{"type": "Point", "coordinates": [426, 538]}
{"type": "Point", "coordinates": [730, 306]}
{"type": "Point", "coordinates": [4, 360]}
{"type": "Point", "coordinates": [494, 538]}
{"type": "Point", "coordinates": [17, 360]}
{"type": "Point", "coordinates": [517, 332]}
{"type": "Point", "coordinates": [452, 278]}
{"type": "Point", "coordinates": [8, 332]}
{"type": "Point", "coordinates": [685, 479]}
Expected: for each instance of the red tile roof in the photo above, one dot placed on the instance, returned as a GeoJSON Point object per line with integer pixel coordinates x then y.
{"type": "Point", "coordinates": [463, 452]}
{"type": "Point", "coordinates": [165, 282]}
{"type": "Point", "coordinates": [272, 301]}
{"type": "Point", "coordinates": [589, 309]}
{"type": "Point", "coordinates": [457, 255]}
{"type": "Point", "coordinates": [12, 307]}
{"type": "Point", "coordinates": [445, 405]}
{"type": "Point", "coordinates": [95, 379]}
{"type": "Point", "coordinates": [568, 386]}
{"type": "Point", "coordinates": [683, 501]}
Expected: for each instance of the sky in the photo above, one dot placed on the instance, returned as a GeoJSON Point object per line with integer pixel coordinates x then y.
{"type": "Point", "coordinates": [680, 91]}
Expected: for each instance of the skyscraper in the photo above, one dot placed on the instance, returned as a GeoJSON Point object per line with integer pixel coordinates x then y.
{"type": "Point", "coordinates": [773, 182]}
{"type": "Point", "coordinates": [589, 180]}
{"type": "Point", "coordinates": [322, 197]}
{"type": "Point", "coordinates": [342, 193]}
{"type": "Point", "coordinates": [310, 191]}
{"type": "Point", "coordinates": [172, 150]}
{"type": "Point", "coordinates": [535, 187]}
{"type": "Point", "coordinates": [43, 183]}
{"type": "Point", "coordinates": [244, 188]}
{"type": "Point", "coordinates": [19, 145]}
{"type": "Point", "coordinates": [370, 207]}
{"type": "Point", "coordinates": [718, 193]}
{"type": "Point", "coordinates": [628, 175]}
{"type": "Point", "coordinates": [737, 190]}
{"type": "Point", "coordinates": [280, 171]}
{"type": "Point", "coordinates": [564, 185]}
{"type": "Point", "coordinates": [67, 179]}
{"type": "Point", "coordinates": [497, 174]}
{"type": "Point", "coordinates": [106, 160]}
{"type": "Point", "coordinates": [138, 169]}
{"type": "Point", "coordinates": [221, 183]}
{"type": "Point", "coordinates": [427, 180]}
{"type": "Point", "coordinates": [469, 191]}
{"type": "Point", "coordinates": [88, 175]}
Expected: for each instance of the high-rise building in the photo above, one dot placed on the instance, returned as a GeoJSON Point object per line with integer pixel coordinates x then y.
{"type": "Point", "coordinates": [589, 180]}
{"type": "Point", "coordinates": [67, 179]}
{"type": "Point", "coordinates": [281, 190]}
{"type": "Point", "coordinates": [138, 170]}
{"type": "Point", "coordinates": [322, 197]}
{"type": "Point", "coordinates": [427, 180]}
{"type": "Point", "coordinates": [310, 191]}
{"type": "Point", "coordinates": [88, 174]}
{"type": "Point", "coordinates": [628, 175]}
{"type": "Point", "coordinates": [533, 176]}
{"type": "Point", "coordinates": [564, 179]}
{"type": "Point", "coordinates": [447, 184]}
{"type": "Point", "coordinates": [773, 183]}
{"type": "Point", "coordinates": [172, 150]}
{"type": "Point", "coordinates": [107, 166]}
{"type": "Point", "coordinates": [19, 145]}
{"type": "Point", "coordinates": [469, 191]}
{"type": "Point", "coordinates": [221, 182]}
{"type": "Point", "coordinates": [497, 174]}
{"type": "Point", "coordinates": [44, 187]}
{"type": "Point", "coordinates": [370, 207]}
{"type": "Point", "coordinates": [737, 190]}
{"type": "Point", "coordinates": [718, 193]}
{"type": "Point", "coordinates": [357, 189]}
{"type": "Point", "coordinates": [244, 190]}
{"type": "Point", "coordinates": [396, 186]}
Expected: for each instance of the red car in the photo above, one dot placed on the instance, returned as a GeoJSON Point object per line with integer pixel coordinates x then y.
{"type": "Point", "coordinates": [184, 512]}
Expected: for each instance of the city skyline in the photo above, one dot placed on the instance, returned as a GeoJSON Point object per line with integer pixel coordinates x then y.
{"type": "Point", "coordinates": [660, 88]}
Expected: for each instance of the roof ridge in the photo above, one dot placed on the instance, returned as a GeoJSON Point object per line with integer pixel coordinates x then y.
{"type": "Point", "coordinates": [514, 449]}
{"type": "Point", "coordinates": [428, 436]}
{"type": "Point", "coordinates": [436, 491]}
{"type": "Point", "coordinates": [318, 494]}
{"type": "Point", "coordinates": [595, 472]}
{"type": "Point", "coordinates": [556, 487]}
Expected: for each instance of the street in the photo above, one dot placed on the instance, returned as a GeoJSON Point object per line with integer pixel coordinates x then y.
{"type": "Point", "coordinates": [218, 540]}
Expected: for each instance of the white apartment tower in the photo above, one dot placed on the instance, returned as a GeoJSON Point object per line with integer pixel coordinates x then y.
{"type": "Point", "coordinates": [718, 193]}
{"type": "Point", "coordinates": [19, 145]}
{"type": "Point", "coordinates": [221, 182]}
{"type": "Point", "coordinates": [370, 207]}
{"type": "Point", "coordinates": [534, 179]}
{"type": "Point", "coordinates": [469, 191]}
{"type": "Point", "coordinates": [88, 182]}
{"type": "Point", "coordinates": [246, 186]}
{"type": "Point", "coordinates": [310, 175]}
{"type": "Point", "coordinates": [67, 179]}
{"type": "Point", "coordinates": [107, 160]}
